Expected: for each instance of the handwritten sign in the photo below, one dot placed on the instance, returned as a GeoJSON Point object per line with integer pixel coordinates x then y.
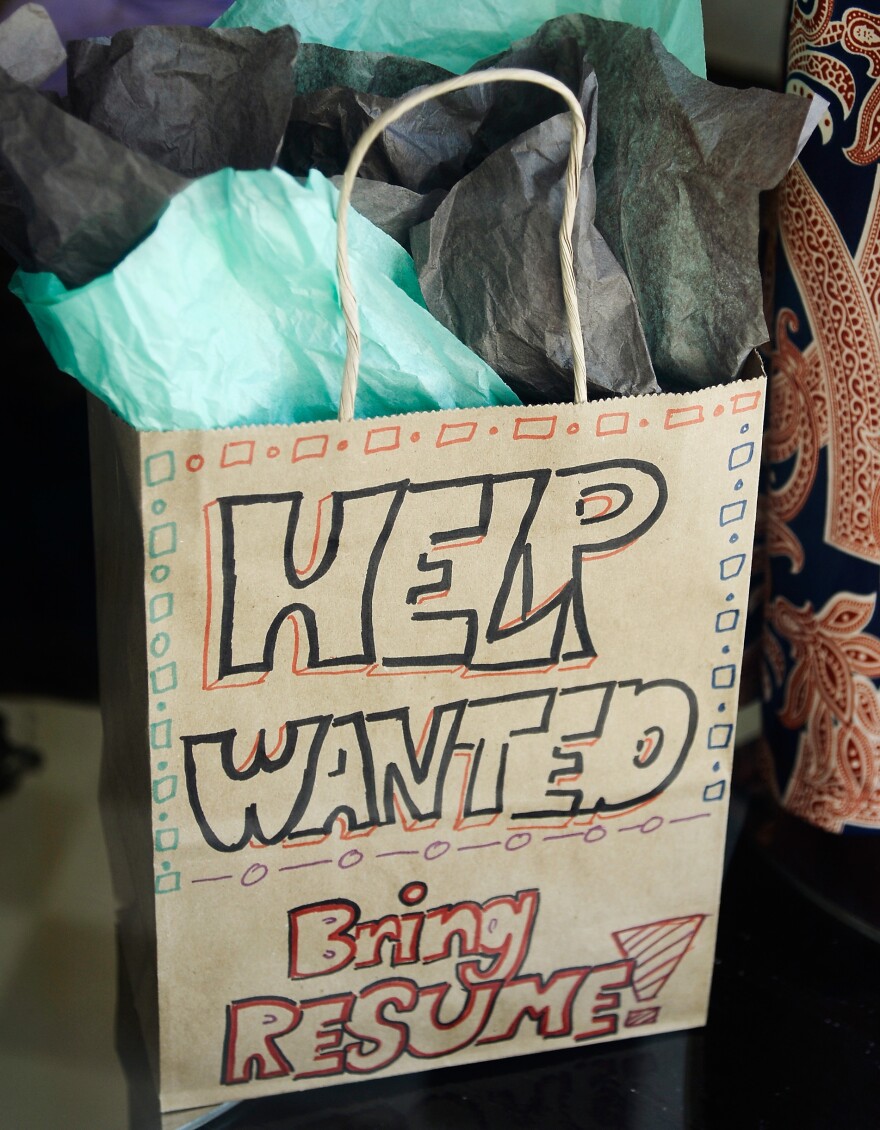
{"type": "Point", "coordinates": [439, 713]}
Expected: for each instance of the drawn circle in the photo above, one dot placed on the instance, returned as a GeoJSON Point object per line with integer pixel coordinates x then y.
{"type": "Point", "coordinates": [493, 431]}
{"type": "Point", "coordinates": [351, 859]}
{"type": "Point", "coordinates": [159, 644]}
{"type": "Point", "coordinates": [643, 423]}
{"type": "Point", "coordinates": [729, 596]}
{"type": "Point", "coordinates": [413, 893]}
{"type": "Point", "coordinates": [573, 429]}
{"type": "Point", "coordinates": [158, 506]}
{"type": "Point", "coordinates": [719, 410]}
{"type": "Point", "coordinates": [734, 538]}
{"type": "Point", "coordinates": [738, 485]}
{"type": "Point", "coordinates": [195, 462]}
{"type": "Point", "coordinates": [743, 429]}
{"type": "Point", "coordinates": [163, 816]}
{"type": "Point", "coordinates": [273, 452]}
{"type": "Point", "coordinates": [436, 850]}
{"type": "Point", "coordinates": [517, 840]}
{"type": "Point", "coordinates": [162, 706]}
{"type": "Point", "coordinates": [342, 445]}
{"type": "Point", "coordinates": [415, 437]}
{"type": "Point", "coordinates": [593, 835]}
{"type": "Point", "coordinates": [651, 824]}
{"type": "Point", "coordinates": [162, 766]}
{"type": "Point", "coordinates": [256, 871]}
{"type": "Point", "coordinates": [160, 573]}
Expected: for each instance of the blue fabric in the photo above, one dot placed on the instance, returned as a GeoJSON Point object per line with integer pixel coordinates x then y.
{"type": "Point", "coordinates": [822, 641]}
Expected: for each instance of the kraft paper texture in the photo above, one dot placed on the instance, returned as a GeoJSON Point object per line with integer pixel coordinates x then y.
{"type": "Point", "coordinates": [439, 716]}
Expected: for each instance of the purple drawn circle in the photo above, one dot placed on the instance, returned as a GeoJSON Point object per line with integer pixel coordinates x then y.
{"type": "Point", "coordinates": [590, 836]}
{"type": "Point", "coordinates": [651, 824]}
{"type": "Point", "coordinates": [351, 859]}
{"type": "Point", "coordinates": [436, 850]}
{"type": "Point", "coordinates": [517, 841]}
{"type": "Point", "coordinates": [258, 871]}
{"type": "Point", "coordinates": [413, 893]}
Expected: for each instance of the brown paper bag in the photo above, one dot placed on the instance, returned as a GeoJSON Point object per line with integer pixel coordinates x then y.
{"type": "Point", "coordinates": [419, 729]}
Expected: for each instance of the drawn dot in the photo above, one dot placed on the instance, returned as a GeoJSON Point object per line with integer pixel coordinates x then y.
{"type": "Point", "coordinates": [413, 893]}
{"type": "Point", "coordinates": [716, 768]}
{"type": "Point", "coordinates": [573, 429]}
{"type": "Point", "coordinates": [729, 596]}
{"type": "Point", "coordinates": [734, 538]}
{"type": "Point", "coordinates": [738, 485]}
{"type": "Point", "coordinates": [493, 431]}
{"type": "Point", "coordinates": [722, 706]}
{"type": "Point", "coordinates": [163, 816]}
{"type": "Point", "coordinates": [195, 462]}
{"type": "Point", "coordinates": [273, 452]}
{"type": "Point", "coordinates": [162, 766]}
{"type": "Point", "coordinates": [743, 429]}
{"type": "Point", "coordinates": [719, 410]}
{"type": "Point", "coordinates": [351, 859]}
{"type": "Point", "coordinates": [159, 644]}
{"type": "Point", "coordinates": [254, 874]}
{"type": "Point", "coordinates": [166, 865]}
{"type": "Point", "coordinates": [160, 573]}
{"type": "Point", "coordinates": [415, 437]}
{"type": "Point", "coordinates": [158, 506]}
{"type": "Point", "coordinates": [726, 649]}
{"type": "Point", "coordinates": [643, 423]}
{"type": "Point", "coordinates": [161, 705]}
{"type": "Point", "coordinates": [517, 840]}
{"type": "Point", "coordinates": [436, 850]}
{"type": "Point", "coordinates": [342, 445]}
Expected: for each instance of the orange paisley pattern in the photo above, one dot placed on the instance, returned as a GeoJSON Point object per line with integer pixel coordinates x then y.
{"type": "Point", "coordinates": [858, 33]}
{"type": "Point", "coordinates": [830, 698]}
{"type": "Point", "coordinates": [823, 443]}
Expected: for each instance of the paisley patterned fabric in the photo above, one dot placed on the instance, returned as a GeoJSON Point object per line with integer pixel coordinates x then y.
{"type": "Point", "coordinates": [822, 624]}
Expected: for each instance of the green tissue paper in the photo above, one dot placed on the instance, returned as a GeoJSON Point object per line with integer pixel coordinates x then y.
{"type": "Point", "coordinates": [457, 33]}
{"type": "Point", "coordinates": [228, 314]}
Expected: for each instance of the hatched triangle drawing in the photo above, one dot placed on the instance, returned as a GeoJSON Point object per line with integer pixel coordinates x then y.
{"type": "Point", "coordinates": [657, 950]}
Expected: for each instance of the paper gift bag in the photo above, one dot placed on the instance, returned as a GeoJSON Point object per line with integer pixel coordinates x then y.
{"type": "Point", "coordinates": [419, 728]}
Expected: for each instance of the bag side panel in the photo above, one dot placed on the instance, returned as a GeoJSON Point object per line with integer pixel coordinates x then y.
{"type": "Point", "coordinates": [125, 770]}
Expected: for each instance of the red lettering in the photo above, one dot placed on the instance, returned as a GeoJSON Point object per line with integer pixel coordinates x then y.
{"type": "Point", "coordinates": [252, 1028]}
{"type": "Point", "coordinates": [319, 938]}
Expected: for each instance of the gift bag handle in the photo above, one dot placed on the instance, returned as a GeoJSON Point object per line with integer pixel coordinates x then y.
{"type": "Point", "coordinates": [566, 250]}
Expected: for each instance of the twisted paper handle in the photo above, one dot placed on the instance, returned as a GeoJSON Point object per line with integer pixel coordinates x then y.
{"type": "Point", "coordinates": [566, 250]}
